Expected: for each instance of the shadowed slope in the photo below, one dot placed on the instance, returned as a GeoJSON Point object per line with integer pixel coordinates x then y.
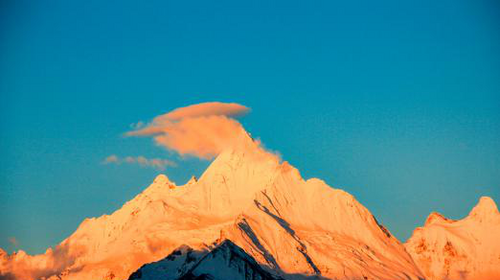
{"type": "Point", "coordinates": [224, 261]}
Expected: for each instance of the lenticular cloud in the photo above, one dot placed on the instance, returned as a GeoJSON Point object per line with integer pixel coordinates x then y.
{"type": "Point", "coordinates": [202, 130]}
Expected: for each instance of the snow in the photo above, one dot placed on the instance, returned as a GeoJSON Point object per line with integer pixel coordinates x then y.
{"type": "Point", "coordinates": [224, 261]}
{"type": "Point", "coordinates": [175, 265]}
{"type": "Point", "coordinates": [248, 196]}
{"type": "Point", "coordinates": [461, 250]}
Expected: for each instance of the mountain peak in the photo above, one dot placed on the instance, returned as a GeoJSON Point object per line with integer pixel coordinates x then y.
{"type": "Point", "coordinates": [224, 261]}
{"type": "Point", "coordinates": [162, 179]}
{"type": "Point", "coordinates": [192, 180]}
{"type": "Point", "coordinates": [159, 185]}
{"type": "Point", "coordinates": [486, 207]}
{"type": "Point", "coordinates": [461, 249]}
{"type": "Point", "coordinates": [436, 217]}
{"type": "Point", "coordinates": [244, 142]}
{"type": "Point", "coordinates": [244, 153]}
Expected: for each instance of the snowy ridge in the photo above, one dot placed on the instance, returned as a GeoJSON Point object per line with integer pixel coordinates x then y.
{"type": "Point", "coordinates": [289, 226]}
{"type": "Point", "coordinates": [224, 261]}
{"type": "Point", "coordinates": [459, 250]}
{"type": "Point", "coordinates": [246, 195]}
{"type": "Point", "coordinates": [175, 265]}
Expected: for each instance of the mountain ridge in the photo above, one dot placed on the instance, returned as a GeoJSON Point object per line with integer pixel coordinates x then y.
{"type": "Point", "coordinates": [248, 196]}
{"type": "Point", "coordinates": [459, 249]}
{"type": "Point", "coordinates": [232, 262]}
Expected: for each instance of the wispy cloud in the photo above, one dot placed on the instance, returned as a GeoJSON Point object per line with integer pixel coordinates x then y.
{"type": "Point", "coordinates": [202, 130]}
{"type": "Point", "coordinates": [137, 125]}
{"type": "Point", "coordinates": [206, 109]}
{"type": "Point", "coordinates": [157, 163]}
{"type": "Point", "coordinates": [111, 159]}
{"type": "Point", "coordinates": [13, 241]}
{"type": "Point", "coordinates": [53, 262]}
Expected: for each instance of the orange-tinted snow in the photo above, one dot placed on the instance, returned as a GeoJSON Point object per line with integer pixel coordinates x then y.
{"type": "Point", "coordinates": [464, 249]}
{"type": "Point", "coordinates": [264, 206]}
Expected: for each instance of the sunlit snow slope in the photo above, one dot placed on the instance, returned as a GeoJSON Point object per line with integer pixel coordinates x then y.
{"type": "Point", "coordinates": [290, 226]}
{"type": "Point", "coordinates": [466, 249]}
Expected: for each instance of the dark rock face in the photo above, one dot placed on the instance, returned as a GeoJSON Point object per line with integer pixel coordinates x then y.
{"type": "Point", "coordinates": [226, 261]}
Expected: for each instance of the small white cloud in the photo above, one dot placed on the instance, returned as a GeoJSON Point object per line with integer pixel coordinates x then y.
{"type": "Point", "coordinates": [129, 159]}
{"type": "Point", "coordinates": [13, 241]}
{"type": "Point", "coordinates": [137, 125]}
{"type": "Point", "coordinates": [111, 159]}
{"type": "Point", "coordinates": [157, 163]}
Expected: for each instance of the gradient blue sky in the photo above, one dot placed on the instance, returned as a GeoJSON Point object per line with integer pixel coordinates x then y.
{"type": "Point", "coordinates": [397, 102]}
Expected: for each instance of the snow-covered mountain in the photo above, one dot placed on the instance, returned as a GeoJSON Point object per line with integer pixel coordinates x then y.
{"type": "Point", "coordinates": [224, 261]}
{"type": "Point", "coordinates": [287, 224]}
{"type": "Point", "coordinates": [466, 249]}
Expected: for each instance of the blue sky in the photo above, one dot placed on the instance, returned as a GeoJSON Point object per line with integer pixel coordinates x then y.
{"type": "Point", "coordinates": [397, 103]}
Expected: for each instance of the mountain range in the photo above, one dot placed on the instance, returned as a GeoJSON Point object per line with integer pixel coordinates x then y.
{"type": "Point", "coordinates": [252, 216]}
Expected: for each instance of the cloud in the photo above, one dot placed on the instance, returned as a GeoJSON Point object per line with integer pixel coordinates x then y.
{"type": "Point", "coordinates": [202, 130]}
{"type": "Point", "coordinates": [137, 125]}
{"type": "Point", "coordinates": [206, 109]}
{"type": "Point", "coordinates": [111, 159]}
{"type": "Point", "coordinates": [157, 163]}
{"type": "Point", "coordinates": [13, 241]}
{"type": "Point", "coordinates": [55, 260]}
